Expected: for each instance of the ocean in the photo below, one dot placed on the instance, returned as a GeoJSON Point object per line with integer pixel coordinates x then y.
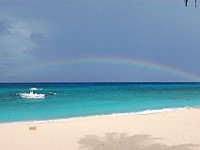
{"type": "Point", "coordinates": [72, 100]}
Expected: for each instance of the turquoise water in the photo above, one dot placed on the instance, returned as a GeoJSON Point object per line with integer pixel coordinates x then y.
{"type": "Point", "coordinates": [66, 100]}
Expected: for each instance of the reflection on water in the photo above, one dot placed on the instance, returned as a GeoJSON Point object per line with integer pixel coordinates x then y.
{"type": "Point", "coordinates": [186, 3]}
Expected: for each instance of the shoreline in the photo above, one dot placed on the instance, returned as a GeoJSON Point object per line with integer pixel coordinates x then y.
{"type": "Point", "coordinates": [173, 130]}
{"type": "Point", "coordinates": [144, 112]}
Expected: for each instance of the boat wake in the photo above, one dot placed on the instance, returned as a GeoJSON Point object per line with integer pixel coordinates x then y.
{"type": "Point", "coordinates": [53, 93]}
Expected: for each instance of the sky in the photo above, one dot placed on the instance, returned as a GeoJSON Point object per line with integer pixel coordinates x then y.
{"type": "Point", "coordinates": [99, 41]}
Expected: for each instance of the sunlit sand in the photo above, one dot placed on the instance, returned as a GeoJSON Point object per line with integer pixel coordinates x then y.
{"type": "Point", "coordinates": [175, 130]}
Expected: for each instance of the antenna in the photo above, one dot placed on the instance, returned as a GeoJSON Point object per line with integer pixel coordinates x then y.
{"type": "Point", "coordinates": [186, 3]}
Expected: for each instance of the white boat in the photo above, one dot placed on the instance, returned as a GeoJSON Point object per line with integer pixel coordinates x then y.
{"type": "Point", "coordinates": [31, 95]}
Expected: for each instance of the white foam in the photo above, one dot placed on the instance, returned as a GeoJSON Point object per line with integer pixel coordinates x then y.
{"type": "Point", "coordinates": [145, 112]}
{"type": "Point", "coordinates": [156, 111]}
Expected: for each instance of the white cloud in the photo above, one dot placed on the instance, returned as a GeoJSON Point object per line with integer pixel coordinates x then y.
{"type": "Point", "coordinates": [20, 29]}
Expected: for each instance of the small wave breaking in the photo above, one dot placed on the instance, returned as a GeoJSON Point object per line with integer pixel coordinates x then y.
{"type": "Point", "coordinates": [145, 112]}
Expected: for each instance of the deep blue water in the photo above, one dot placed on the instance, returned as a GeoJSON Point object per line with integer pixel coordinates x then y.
{"type": "Point", "coordinates": [85, 99]}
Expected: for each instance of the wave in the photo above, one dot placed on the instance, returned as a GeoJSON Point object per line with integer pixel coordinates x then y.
{"type": "Point", "coordinates": [153, 111]}
{"type": "Point", "coordinates": [145, 112]}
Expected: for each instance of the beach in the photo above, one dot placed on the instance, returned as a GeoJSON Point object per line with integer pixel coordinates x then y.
{"type": "Point", "coordinates": [174, 130]}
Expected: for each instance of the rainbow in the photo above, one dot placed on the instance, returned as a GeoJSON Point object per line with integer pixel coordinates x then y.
{"type": "Point", "coordinates": [115, 61]}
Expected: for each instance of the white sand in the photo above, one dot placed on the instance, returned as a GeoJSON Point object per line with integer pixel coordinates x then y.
{"type": "Point", "coordinates": [176, 130]}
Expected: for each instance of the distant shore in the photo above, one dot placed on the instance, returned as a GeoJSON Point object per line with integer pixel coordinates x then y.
{"type": "Point", "coordinates": [173, 130]}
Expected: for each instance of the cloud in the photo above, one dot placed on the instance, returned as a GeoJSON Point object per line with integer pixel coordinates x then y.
{"type": "Point", "coordinates": [18, 38]}
{"type": "Point", "coordinates": [20, 29]}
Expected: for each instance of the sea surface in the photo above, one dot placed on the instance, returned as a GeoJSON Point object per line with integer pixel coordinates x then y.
{"type": "Point", "coordinates": [69, 100]}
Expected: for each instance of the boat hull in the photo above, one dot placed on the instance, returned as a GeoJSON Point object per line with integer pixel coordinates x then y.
{"type": "Point", "coordinates": [32, 95]}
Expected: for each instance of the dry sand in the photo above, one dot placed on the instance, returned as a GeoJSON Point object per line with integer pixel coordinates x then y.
{"type": "Point", "coordinates": [176, 130]}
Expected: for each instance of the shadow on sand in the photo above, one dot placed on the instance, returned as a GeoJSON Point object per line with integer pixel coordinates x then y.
{"type": "Point", "coordinates": [120, 141]}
